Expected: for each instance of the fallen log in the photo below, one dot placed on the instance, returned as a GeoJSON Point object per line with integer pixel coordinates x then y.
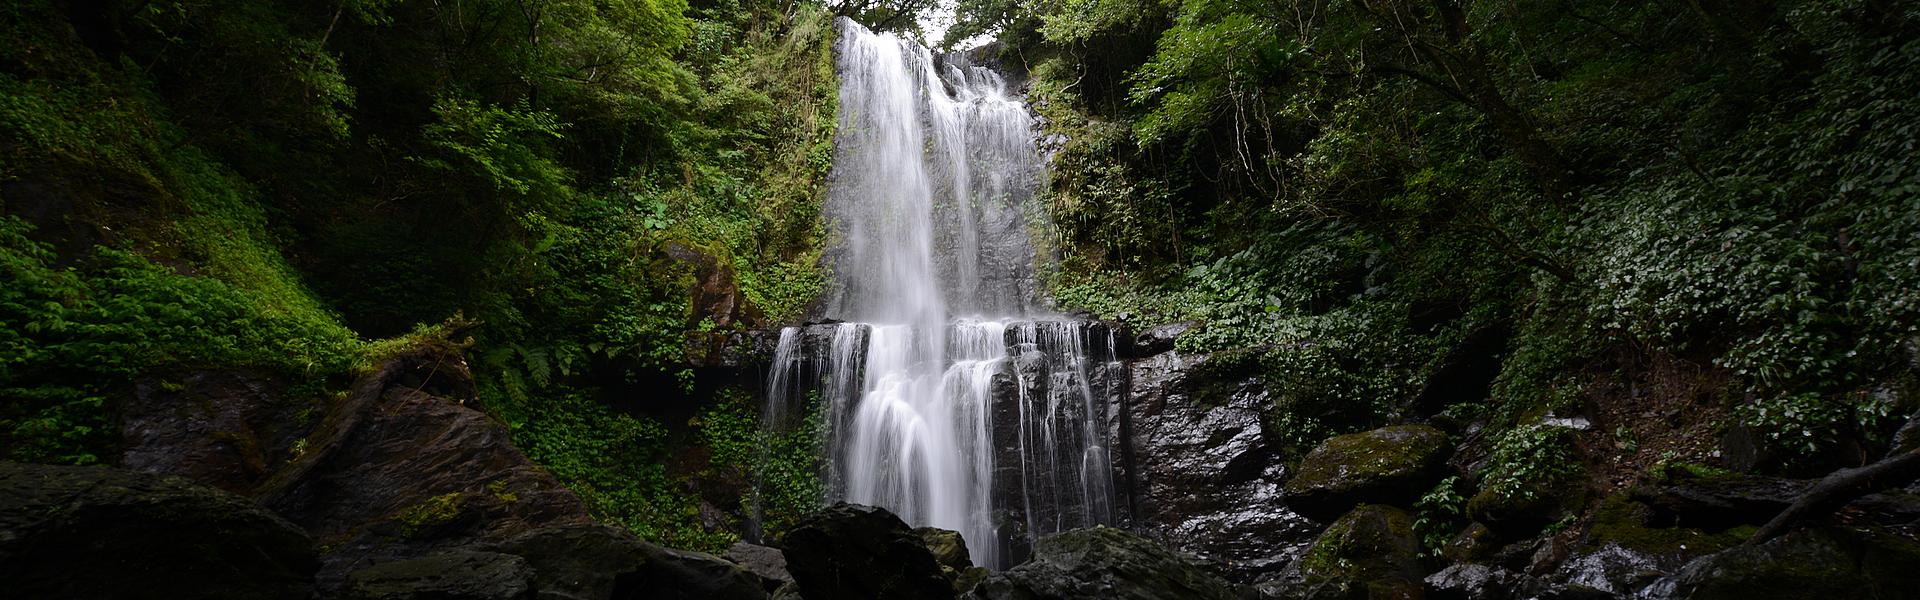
{"type": "Point", "coordinates": [1838, 489]}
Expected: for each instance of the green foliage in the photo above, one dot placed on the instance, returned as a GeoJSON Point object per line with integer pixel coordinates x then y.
{"type": "Point", "coordinates": [74, 338]}
{"type": "Point", "coordinates": [1627, 180]}
{"type": "Point", "coordinates": [504, 146]}
{"type": "Point", "coordinates": [783, 464]}
{"type": "Point", "coordinates": [516, 166]}
{"type": "Point", "coordinates": [1337, 354]}
{"type": "Point", "coordinates": [1804, 426]}
{"type": "Point", "coordinates": [613, 461]}
{"type": "Point", "coordinates": [85, 322]}
{"type": "Point", "coordinates": [1439, 514]}
{"type": "Point", "coordinates": [1530, 461]}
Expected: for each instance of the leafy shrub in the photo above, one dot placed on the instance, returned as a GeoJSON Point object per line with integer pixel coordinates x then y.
{"type": "Point", "coordinates": [73, 339]}
{"type": "Point", "coordinates": [784, 466]}
{"type": "Point", "coordinates": [1530, 460]}
{"type": "Point", "coordinates": [1439, 514]}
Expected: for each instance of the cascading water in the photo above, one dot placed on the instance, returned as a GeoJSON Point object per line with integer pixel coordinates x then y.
{"type": "Point", "coordinates": [949, 398]}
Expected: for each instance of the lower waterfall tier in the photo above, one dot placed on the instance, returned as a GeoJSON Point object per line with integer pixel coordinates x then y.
{"type": "Point", "coordinates": [1001, 430]}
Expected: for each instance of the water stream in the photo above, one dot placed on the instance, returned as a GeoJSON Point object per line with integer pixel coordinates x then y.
{"type": "Point", "coordinates": [951, 396]}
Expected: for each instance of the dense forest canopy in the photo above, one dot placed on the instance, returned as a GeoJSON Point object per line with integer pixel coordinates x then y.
{"type": "Point", "coordinates": [1350, 191]}
{"type": "Point", "coordinates": [262, 185]}
{"type": "Point", "coordinates": [1703, 216]}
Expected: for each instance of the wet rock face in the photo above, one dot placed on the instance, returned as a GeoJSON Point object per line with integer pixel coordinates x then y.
{"type": "Point", "coordinates": [1160, 338]}
{"type": "Point", "coordinates": [1204, 473]}
{"type": "Point", "coordinates": [1369, 552]}
{"type": "Point", "coordinates": [1103, 563]}
{"type": "Point", "coordinates": [849, 551]}
{"type": "Point", "coordinates": [1478, 582]}
{"type": "Point", "coordinates": [1611, 570]}
{"type": "Point", "coordinates": [96, 532]}
{"type": "Point", "coordinates": [1390, 465]}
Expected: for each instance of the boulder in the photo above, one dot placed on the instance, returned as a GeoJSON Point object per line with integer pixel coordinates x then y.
{"type": "Point", "coordinates": [98, 532]}
{"type": "Point", "coordinates": [1106, 564]}
{"type": "Point", "coordinates": [1474, 543]}
{"type": "Point", "coordinates": [950, 550]}
{"type": "Point", "coordinates": [1479, 582]}
{"type": "Point", "coordinates": [764, 562]}
{"type": "Point", "coordinates": [714, 296]}
{"type": "Point", "coordinates": [457, 574]}
{"type": "Point", "coordinates": [1371, 552]}
{"type": "Point", "coordinates": [669, 574]}
{"type": "Point", "coordinates": [1206, 473]}
{"type": "Point", "coordinates": [402, 468]}
{"type": "Point", "coordinates": [1160, 338]}
{"type": "Point", "coordinates": [850, 551]}
{"type": "Point", "coordinates": [1631, 525]}
{"type": "Point", "coordinates": [1811, 564]}
{"type": "Point", "coordinates": [591, 562]}
{"type": "Point", "coordinates": [1391, 465]}
{"type": "Point", "coordinates": [1611, 570]}
{"type": "Point", "coordinates": [1521, 514]}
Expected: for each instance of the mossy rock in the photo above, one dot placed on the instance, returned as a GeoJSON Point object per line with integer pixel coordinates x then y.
{"type": "Point", "coordinates": [1817, 564]}
{"type": "Point", "coordinates": [950, 551]}
{"type": "Point", "coordinates": [1631, 524]}
{"type": "Point", "coordinates": [1390, 465]}
{"type": "Point", "coordinates": [1533, 477]}
{"type": "Point", "coordinates": [1518, 515]}
{"type": "Point", "coordinates": [1371, 552]}
{"type": "Point", "coordinates": [1473, 544]}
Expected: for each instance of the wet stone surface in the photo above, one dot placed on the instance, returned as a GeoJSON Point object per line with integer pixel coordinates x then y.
{"type": "Point", "coordinates": [1206, 474]}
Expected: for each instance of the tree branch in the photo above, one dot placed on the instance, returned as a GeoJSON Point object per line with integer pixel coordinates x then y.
{"type": "Point", "coordinates": [1839, 488]}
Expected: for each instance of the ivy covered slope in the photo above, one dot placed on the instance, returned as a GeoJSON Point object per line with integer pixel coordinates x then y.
{"type": "Point", "coordinates": [1687, 221]}
{"type": "Point", "coordinates": [266, 186]}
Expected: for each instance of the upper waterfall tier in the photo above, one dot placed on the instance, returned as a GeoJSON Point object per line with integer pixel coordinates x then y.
{"type": "Point", "coordinates": [933, 184]}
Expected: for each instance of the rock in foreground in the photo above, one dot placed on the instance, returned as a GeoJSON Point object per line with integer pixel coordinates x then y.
{"type": "Point", "coordinates": [1814, 564]}
{"type": "Point", "coordinates": [1369, 553]}
{"type": "Point", "coordinates": [95, 532]}
{"type": "Point", "coordinates": [591, 562]}
{"type": "Point", "coordinates": [1103, 563]}
{"type": "Point", "coordinates": [854, 552]}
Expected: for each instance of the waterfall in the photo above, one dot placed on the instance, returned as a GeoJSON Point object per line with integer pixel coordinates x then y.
{"type": "Point", "coordinates": [951, 398]}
